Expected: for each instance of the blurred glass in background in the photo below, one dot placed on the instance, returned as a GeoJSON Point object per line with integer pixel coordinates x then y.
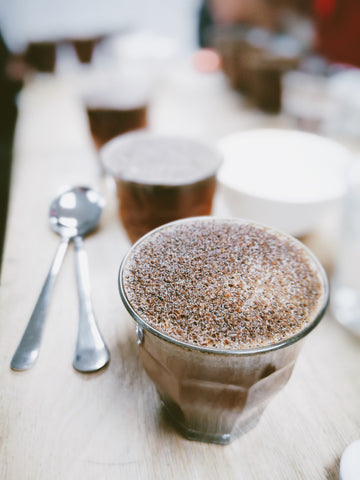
{"type": "Point", "coordinates": [261, 41]}
{"type": "Point", "coordinates": [345, 300]}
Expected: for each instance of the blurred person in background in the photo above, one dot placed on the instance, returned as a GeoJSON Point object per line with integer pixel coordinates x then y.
{"type": "Point", "coordinates": [11, 74]}
{"type": "Point", "coordinates": [336, 22]}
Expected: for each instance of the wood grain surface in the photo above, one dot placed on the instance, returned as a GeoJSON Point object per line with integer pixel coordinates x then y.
{"type": "Point", "coordinates": [58, 424]}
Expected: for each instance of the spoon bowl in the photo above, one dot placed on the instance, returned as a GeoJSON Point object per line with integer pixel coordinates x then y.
{"type": "Point", "coordinates": [76, 212]}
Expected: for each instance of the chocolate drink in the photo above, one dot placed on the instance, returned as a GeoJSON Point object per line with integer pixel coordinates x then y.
{"type": "Point", "coordinates": [107, 123]}
{"type": "Point", "coordinates": [160, 179]}
{"type": "Point", "coordinates": [265, 68]}
{"type": "Point", "coordinates": [142, 208]}
{"type": "Point", "coordinates": [225, 286]}
{"type": "Point", "coordinates": [84, 48]}
{"type": "Point", "coordinates": [221, 305]}
{"type": "Point", "coordinates": [41, 55]}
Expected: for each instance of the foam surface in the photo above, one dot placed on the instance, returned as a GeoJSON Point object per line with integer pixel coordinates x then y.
{"type": "Point", "coordinates": [223, 284]}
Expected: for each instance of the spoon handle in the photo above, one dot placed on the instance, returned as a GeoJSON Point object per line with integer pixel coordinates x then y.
{"type": "Point", "coordinates": [29, 346]}
{"type": "Point", "coordinates": [91, 353]}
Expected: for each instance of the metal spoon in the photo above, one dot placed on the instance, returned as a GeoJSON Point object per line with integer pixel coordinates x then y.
{"type": "Point", "coordinates": [73, 214]}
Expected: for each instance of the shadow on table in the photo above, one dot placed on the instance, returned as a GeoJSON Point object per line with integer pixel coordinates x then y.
{"type": "Point", "coordinates": [332, 471]}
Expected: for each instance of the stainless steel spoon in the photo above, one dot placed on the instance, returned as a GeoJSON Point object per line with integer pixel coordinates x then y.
{"type": "Point", "coordinates": [73, 214]}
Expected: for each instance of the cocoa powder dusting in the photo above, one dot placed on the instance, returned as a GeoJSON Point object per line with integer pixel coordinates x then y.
{"type": "Point", "coordinates": [223, 284]}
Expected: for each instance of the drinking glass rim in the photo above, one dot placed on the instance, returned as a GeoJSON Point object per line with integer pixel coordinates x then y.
{"type": "Point", "coordinates": [217, 351]}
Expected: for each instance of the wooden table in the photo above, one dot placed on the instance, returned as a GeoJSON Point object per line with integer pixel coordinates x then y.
{"type": "Point", "coordinates": [58, 424]}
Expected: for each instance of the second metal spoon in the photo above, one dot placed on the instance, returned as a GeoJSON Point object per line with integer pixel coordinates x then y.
{"type": "Point", "coordinates": [82, 208]}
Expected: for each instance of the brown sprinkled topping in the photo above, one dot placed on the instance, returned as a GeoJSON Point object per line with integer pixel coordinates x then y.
{"type": "Point", "coordinates": [223, 284]}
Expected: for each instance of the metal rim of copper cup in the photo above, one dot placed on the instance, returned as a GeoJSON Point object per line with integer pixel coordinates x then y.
{"type": "Point", "coordinates": [249, 351]}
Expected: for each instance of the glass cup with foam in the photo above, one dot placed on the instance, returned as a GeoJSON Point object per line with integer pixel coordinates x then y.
{"type": "Point", "coordinates": [116, 102]}
{"type": "Point", "coordinates": [222, 307]}
{"type": "Point", "coordinates": [160, 178]}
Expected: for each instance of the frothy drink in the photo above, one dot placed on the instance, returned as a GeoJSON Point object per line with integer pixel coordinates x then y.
{"type": "Point", "coordinates": [160, 179]}
{"type": "Point", "coordinates": [115, 103]}
{"type": "Point", "coordinates": [218, 300]}
{"type": "Point", "coordinates": [223, 285]}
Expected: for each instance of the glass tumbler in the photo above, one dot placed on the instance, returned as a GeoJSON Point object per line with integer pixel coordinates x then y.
{"type": "Point", "coordinates": [160, 178]}
{"type": "Point", "coordinates": [345, 299]}
{"type": "Point", "coordinates": [215, 395]}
